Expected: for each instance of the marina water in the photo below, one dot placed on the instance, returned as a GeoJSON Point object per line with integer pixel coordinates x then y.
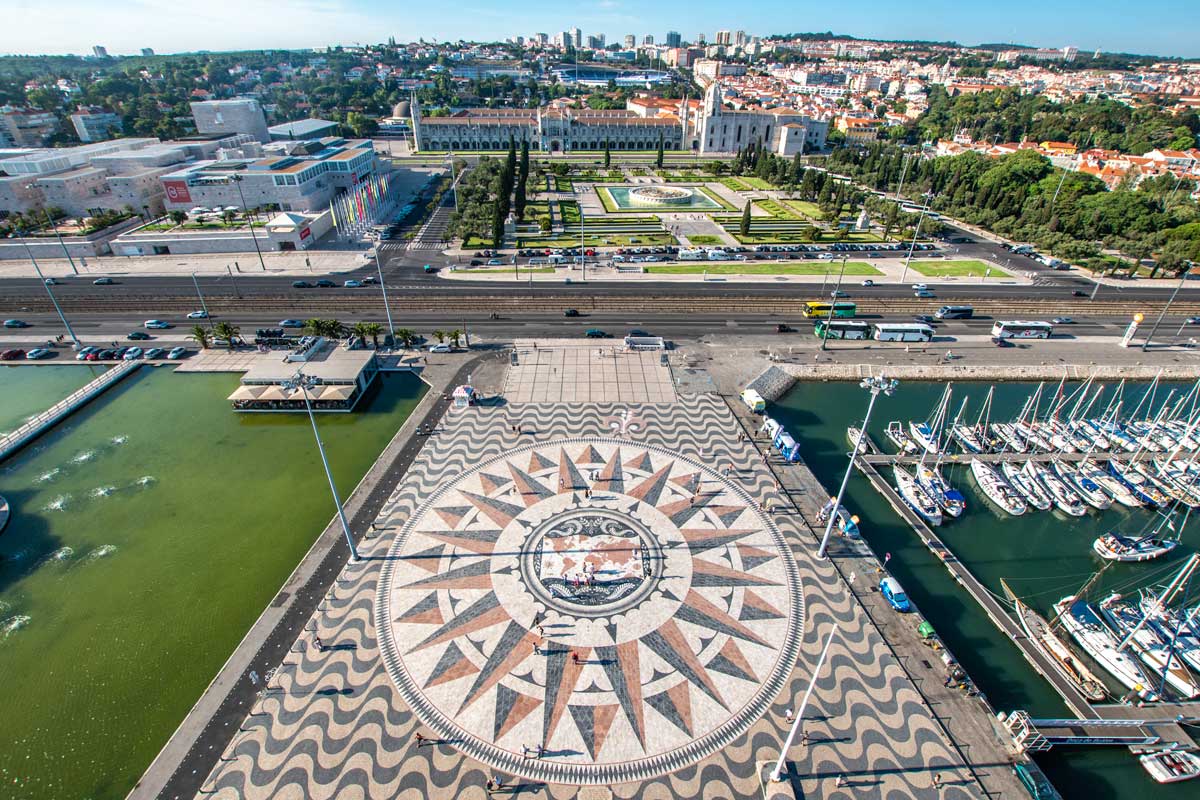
{"type": "Point", "coordinates": [150, 529]}
{"type": "Point", "coordinates": [1042, 555]}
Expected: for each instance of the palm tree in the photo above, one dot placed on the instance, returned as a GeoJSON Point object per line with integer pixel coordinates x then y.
{"type": "Point", "coordinates": [406, 336]}
{"type": "Point", "coordinates": [330, 328]}
{"type": "Point", "coordinates": [439, 335]}
{"type": "Point", "coordinates": [314, 327]}
{"type": "Point", "coordinates": [226, 333]}
{"type": "Point", "coordinates": [200, 336]}
{"type": "Point", "coordinates": [368, 330]}
{"type": "Point", "coordinates": [455, 335]}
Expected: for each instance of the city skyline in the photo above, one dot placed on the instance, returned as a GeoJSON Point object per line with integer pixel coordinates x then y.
{"type": "Point", "coordinates": [75, 26]}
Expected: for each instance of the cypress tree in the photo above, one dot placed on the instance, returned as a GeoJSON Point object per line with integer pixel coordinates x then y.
{"type": "Point", "coordinates": [659, 160]}
{"type": "Point", "coordinates": [745, 226]}
{"type": "Point", "coordinates": [607, 154]}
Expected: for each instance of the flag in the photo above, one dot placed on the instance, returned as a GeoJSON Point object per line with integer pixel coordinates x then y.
{"type": "Point", "coordinates": [887, 557]}
{"type": "Point", "coordinates": [333, 213]}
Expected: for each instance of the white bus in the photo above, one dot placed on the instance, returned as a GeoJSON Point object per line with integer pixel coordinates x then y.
{"type": "Point", "coordinates": [1015, 329]}
{"type": "Point", "coordinates": [903, 332]}
{"type": "Point", "coordinates": [692, 254]}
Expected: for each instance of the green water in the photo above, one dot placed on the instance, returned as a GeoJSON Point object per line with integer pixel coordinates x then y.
{"type": "Point", "coordinates": [28, 390]}
{"type": "Point", "coordinates": [1042, 555]}
{"type": "Point", "coordinates": [149, 532]}
{"type": "Point", "coordinates": [698, 200]}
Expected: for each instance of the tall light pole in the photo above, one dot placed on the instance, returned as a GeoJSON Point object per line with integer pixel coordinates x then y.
{"type": "Point", "coordinates": [304, 383]}
{"type": "Point", "coordinates": [903, 171]}
{"type": "Point", "coordinates": [383, 288]}
{"type": "Point", "coordinates": [833, 296]}
{"type": "Point", "coordinates": [777, 773]}
{"type": "Point", "coordinates": [1182, 277]}
{"type": "Point", "coordinates": [61, 243]}
{"type": "Point", "coordinates": [203, 306]}
{"type": "Point", "coordinates": [874, 386]}
{"type": "Point", "coordinates": [57, 307]}
{"type": "Point", "coordinates": [237, 181]}
{"type": "Point", "coordinates": [916, 233]}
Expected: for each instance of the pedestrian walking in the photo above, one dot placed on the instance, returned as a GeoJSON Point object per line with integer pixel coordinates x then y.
{"type": "Point", "coordinates": [537, 651]}
{"type": "Point", "coordinates": [575, 659]}
{"type": "Point", "coordinates": [853, 575]}
{"type": "Point", "coordinates": [841, 780]}
{"type": "Point", "coordinates": [937, 780]}
{"type": "Point", "coordinates": [318, 643]}
{"type": "Point", "coordinates": [787, 716]}
{"type": "Point", "coordinates": [804, 738]}
{"type": "Point", "coordinates": [490, 786]}
{"type": "Point", "coordinates": [420, 739]}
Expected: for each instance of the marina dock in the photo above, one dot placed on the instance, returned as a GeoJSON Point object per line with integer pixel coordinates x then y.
{"type": "Point", "coordinates": [877, 458]}
{"type": "Point", "coordinates": [34, 426]}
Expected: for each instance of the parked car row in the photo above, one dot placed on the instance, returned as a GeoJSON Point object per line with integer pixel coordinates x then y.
{"type": "Point", "coordinates": [131, 353]}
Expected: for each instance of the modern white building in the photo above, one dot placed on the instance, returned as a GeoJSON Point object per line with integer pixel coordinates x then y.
{"type": "Point", "coordinates": [95, 126]}
{"type": "Point", "coordinates": [239, 115]}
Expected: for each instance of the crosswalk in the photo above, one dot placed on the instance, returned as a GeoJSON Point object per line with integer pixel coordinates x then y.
{"type": "Point", "coordinates": [433, 233]}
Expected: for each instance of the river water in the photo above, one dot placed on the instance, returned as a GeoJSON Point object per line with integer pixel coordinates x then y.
{"type": "Point", "coordinates": [1042, 555]}
{"type": "Point", "coordinates": [149, 531]}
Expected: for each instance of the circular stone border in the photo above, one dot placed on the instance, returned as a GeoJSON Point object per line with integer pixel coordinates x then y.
{"type": "Point", "coordinates": [661, 196]}
{"type": "Point", "coordinates": [546, 769]}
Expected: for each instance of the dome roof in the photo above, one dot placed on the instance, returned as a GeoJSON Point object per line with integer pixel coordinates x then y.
{"type": "Point", "coordinates": [402, 109]}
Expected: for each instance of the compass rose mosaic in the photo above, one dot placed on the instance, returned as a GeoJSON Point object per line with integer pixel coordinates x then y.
{"type": "Point", "coordinates": [624, 609]}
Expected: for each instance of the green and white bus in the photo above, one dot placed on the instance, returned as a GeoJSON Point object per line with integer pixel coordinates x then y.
{"type": "Point", "coordinates": [842, 329]}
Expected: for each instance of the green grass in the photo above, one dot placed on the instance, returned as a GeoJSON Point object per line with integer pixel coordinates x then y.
{"type": "Point", "coordinates": [494, 270]}
{"type": "Point", "coordinates": [956, 269]}
{"type": "Point", "coordinates": [776, 210]}
{"type": "Point", "coordinates": [716, 198]}
{"type": "Point", "coordinates": [705, 238]}
{"type": "Point", "coordinates": [600, 240]}
{"type": "Point", "coordinates": [810, 210]}
{"type": "Point", "coordinates": [757, 183]}
{"type": "Point", "coordinates": [759, 268]}
{"type": "Point", "coordinates": [737, 184]}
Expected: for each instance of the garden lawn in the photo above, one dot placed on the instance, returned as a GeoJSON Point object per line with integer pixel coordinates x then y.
{"type": "Point", "coordinates": [756, 183]}
{"type": "Point", "coordinates": [957, 269]}
{"type": "Point", "coordinates": [759, 268]}
{"type": "Point", "coordinates": [705, 238]}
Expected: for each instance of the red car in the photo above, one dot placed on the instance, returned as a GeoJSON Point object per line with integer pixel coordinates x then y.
{"type": "Point", "coordinates": [12, 355]}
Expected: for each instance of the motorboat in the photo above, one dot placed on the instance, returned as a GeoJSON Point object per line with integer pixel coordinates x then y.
{"type": "Point", "coordinates": [1063, 496]}
{"type": "Point", "coordinates": [1027, 487]}
{"type": "Point", "coordinates": [843, 520]}
{"type": "Point", "coordinates": [1171, 766]}
{"type": "Point", "coordinates": [1122, 547]}
{"type": "Point", "coordinates": [1069, 665]}
{"type": "Point", "coordinates": [949, 499]}
{"type": "Point", "coordinates": [916, 497]}
{"type": "Point", "coordinates": [1127, 622]}
{"type": "Point", "coordinates": [897, 436]}
{"type": "Point", "coordinates": [996, 489]}
{"type": "Point", "coordinates": [1094, 637]}
{"type": "Point", "coordinates": [852, 436]}
{"type": "Point", "coordinates": [1085, 487]}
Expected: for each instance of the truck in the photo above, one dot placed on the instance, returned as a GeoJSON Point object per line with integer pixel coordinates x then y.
{"type": "Point", "coordinates": [692, 254]}
{"type": "Point", "coordinates": [754, 401]}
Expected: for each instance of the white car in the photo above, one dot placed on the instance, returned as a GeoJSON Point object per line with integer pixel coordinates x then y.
{"type": "Point", "coordinates": [868, 282]}
{"type": "Point", "coordinates": [156, 324]}
{"type": "Point", "coordinates": [440, 347]}
{"type": "Point", "coordinates": [352, 284]}
{"type": "Point", "coordinates": [826, 256]}
{"type": "Point", "coordinates": [132, 354]}
{"type": "Point", "coordinates": [177, 353]}
{"type": "Point", "coordinates": [198, 315]}
{"type": "Point", "coordinates": [919, 287]}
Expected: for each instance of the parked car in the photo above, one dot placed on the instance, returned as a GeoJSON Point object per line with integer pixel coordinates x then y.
{"type": "Point", "coordinates": [352, 284]}
{"type": "Point", "coordinates": [894, 594]}
{"type": "Point", "coordinates": [495, 262]}
{"type": "Point", "coordinates": [16, 323]}
{"type": "Point", "coordinates": [325, 283]}
{"type": "Point", "coordinates": [923, 293]}
{"type": "Point", "coordinates": [12, 355]}
{"type": "Point", "coordinates": [440, 347]}
{"type": "Point", "coordinates": [1193, 320]}
{"type": "Point", "coordinates": [38, 353]}
{"type": "Point", "coordinates": [155, 352]}
{"type": "Point", "coordinates": [369, 280]}
{"type": "Point", "coordinates": [475, 262]}
{"type": "Point", "coordinates": [137, 336]}
{"type": "Point", "coordinates": [132, 354]}
{"type": "Point", "coordinates": [85, 352]}
{"type": "Point", "coordinates": [595, 333]}
{"type": "Point", "coordinates": [198, 315]}
{"type": "Point", "coordinates": [156, 324]}
{"type": "Point", "coordinates": [291, 323]}
{"type": "Point", "coordinates": [301, 285]}
{"type": "Point", "coordinates": [103, 282]}
{"type": "Point", "coordinates": [177, 353]}
{"type": "Point", "coordinates": [916, 287]}
{"type": "Point", "coordinates": [571, 312]}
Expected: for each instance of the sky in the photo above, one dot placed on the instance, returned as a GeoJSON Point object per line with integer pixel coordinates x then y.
{"type": "Point", "coordinates": [73, 26]}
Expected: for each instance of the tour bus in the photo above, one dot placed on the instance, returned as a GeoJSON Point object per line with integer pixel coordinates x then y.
{"type": "Point", "coordinates": [717, 255]}
{"type": "Point", "coordinates": [1016, 329]}
{"type": "Point", "coordinates": [841, 329]}
{"type": "Point", "coordinates": [818, 309]}
{"type": "Point", "coordinates": [903, 332]}
{"type": "Point", "coordinates": [954, 312]}
{"type": "Point", "coordinates": [692, 254]}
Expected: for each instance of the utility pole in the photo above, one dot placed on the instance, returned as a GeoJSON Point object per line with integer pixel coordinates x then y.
{"type": "Point", "coordinates": [237, 181]}
{"type": "Point", "coordinates": [1166, 308]}
{"type": "Point", "coordinates": [61, 243]}
{"type": "Point", "coordinates": [57, 307]}
{"type": "Point", "coordinates": [833, 296]}
{"type": "Point", "coordinates": [777, 773]}
{"type": "Point", "coordinates": [200, 294]}
{"type": "Point", "coordinates": [383, 288]}
{"type": "Point", "coordinates": [234, 280]}
{"type": "Point", "coordinates": [916, 233]}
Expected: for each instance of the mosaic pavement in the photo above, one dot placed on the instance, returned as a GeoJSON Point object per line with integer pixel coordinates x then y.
{"type": "Point", "coordinates": [607, 586]}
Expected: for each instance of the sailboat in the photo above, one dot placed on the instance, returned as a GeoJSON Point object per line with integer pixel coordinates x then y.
{"type": "Point", "coordinates": [996, 489]}
{"type": "Point", "coordinates": [927, 434]}
{"type": "Point", "coordinates": [1028, 487]}
{"type": "Point", "coordinates": [971, 438]}
{"type": "Point", "coordinates": [1090, 633]}
{"type": "Point", "coordinates": [1068, 664]}
{"type": "Point", "coordinates": [916, 497]}
{"type": "Point", "coordinates": [1147, 545]}
{"type": "Point", "coordinates": [1085, 487]}
{"type": "Point", "coordinates": [1062, 495]}
{"type": "Point", "coordinates": [949, 499]}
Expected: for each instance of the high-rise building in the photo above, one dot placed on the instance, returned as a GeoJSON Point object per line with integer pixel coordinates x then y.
{"type": "Point", "coordinates": [239, 115]}
{"type": "Point", "coordinates": [700, 39]}
{"type": "Point", "coordinates": [563, 40]}
{"type": "Point", "coordinates": [576, 37]}
{"type": "Point", "coordinates": [724, 37]}
{"type": "Point", "coordinates": [99, 51]}
{"type": "Point", "coordinates": [630, 41]}
{"type": "Point", "coordinates": [26, 127]}
{"type": "Point", "coordinates": [541, 39]}
{"type": "Point", "coordinates": [149, 51]}
{"type": "Point", "coordinates": [740, 39]}
{"type": "Point", "coordinates": [648, 39]}
{"type": "Point", "coordinates": [595, 42]}
{"type": "Point", "coordinates": [674, 39]}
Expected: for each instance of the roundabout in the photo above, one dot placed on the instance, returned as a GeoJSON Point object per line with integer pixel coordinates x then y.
{"type": "Point", "coordinates": [613, 606]}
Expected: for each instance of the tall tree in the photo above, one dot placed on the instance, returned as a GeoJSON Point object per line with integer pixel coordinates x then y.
{"type": "Point", "coordinates": [745, 226]}
{"type": "Point", "coordinates": [659, 159]}
{"type": "Point", "coordinates": [607, 154]}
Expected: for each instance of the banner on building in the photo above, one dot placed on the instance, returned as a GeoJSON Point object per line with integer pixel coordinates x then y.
{"type": "Point", "coordinates": [177, 192]}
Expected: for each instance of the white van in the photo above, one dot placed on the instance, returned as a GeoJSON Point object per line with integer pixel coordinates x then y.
{"type": "Point", "coordinates": [692, 254]}
{"type": "Point", "coordinates": [538, 261]}
{"type": "Point", "coordinates": [717, 255]}
{"type": "Point", "coordinates": [556, 259]}
{"type": "Point", "coordinates": [754, 401]}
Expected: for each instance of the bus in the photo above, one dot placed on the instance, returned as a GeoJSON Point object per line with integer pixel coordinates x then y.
{"type": "Point", "coordinates": [903, 332]}
{"type": "Point", "coordinates": [842, 329]}
{"type": "Point", "coordinates": [954, 312]}
{"type": "Point", "coordinates": [1015, 329]}
{"type": "Point", "coordinates": [820, 310]}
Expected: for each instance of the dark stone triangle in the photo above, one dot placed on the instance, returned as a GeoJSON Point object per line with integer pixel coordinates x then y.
{"type": "Point", "coordinates": [698, 617]}
{"type": "Point", "coordinates": [453, 515]}
{"type": "Point", "coordinates": [611, 478]}
{"type": "Point", "coordinates": [705, 573]}
{"type": "Point", "coordinates": [722, 664]}
{"type": "Point", "coordinates": [427, 559]}
{"type": "Point", "coordinates": [752, 560]}
{"type": "Point", "coordinates": [469, 618]}
{"type": "Point", "coordinates": [503, 650]}
{"type": "Point", "coordinates": [648, 491]}
{"type": "Point", "coordinates": [729, 514]}
{"type": "Point", "coordinates": [497, 511]}
{"type": "Point", "coordinates": [465, 577]}
{"type": "Point", "coordinates": [451, 666]}
{"type": "Point", "coordinates": [538, 462]}
{"type": "Point", "coordinates": [699, 542]}
{"type": "Point", "coordinates": [569, 477]}
{"type": "Point", "coordinates": [751, 613]}
{"type": "Point", "coordinates": [590, 455]}
{"type": "Point", "coordinates": [491, 483]}
{"type": "Point", "coordinates": [640, 462]}
{"type": "Point", "coordinates": [585, 721]}
{"type": "Point", "coordinates": [682, 663]}
{"type": "Point", "coordinates": [511, 708]}
{"type": "Point", "coordinates": [477, 541]}
{"type": "Point", "coordinates": [530, 489]}
{"type": "Point", "coordinates": [663, 704]}
{"type": "Point", "coordinates": [426, 610]}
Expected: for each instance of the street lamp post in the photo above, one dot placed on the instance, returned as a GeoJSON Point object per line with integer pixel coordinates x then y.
{"type": "Point", "coordinates": [53, 300]}
{"type": "Point", "coordinates": [874, 386]}
{"type": "Point", "coordinates": [1183, 277]}
{"type": "Point", "coordinates": [777, 773]}
{"type": "Point", "coordinates": [833, 296]}
{"type": "Point", "coordinates": [61, 243]}
{"type": "Point", "coordinates": [383, 288]}
{"type": "Point", "coordinates": [304, 383]}
{"type": "Point", "coordinates": [203, 306]}
{"type": "Point", "coordinates": [237, 181]}
{"type": "Point", "coordinates": [916, 233]}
